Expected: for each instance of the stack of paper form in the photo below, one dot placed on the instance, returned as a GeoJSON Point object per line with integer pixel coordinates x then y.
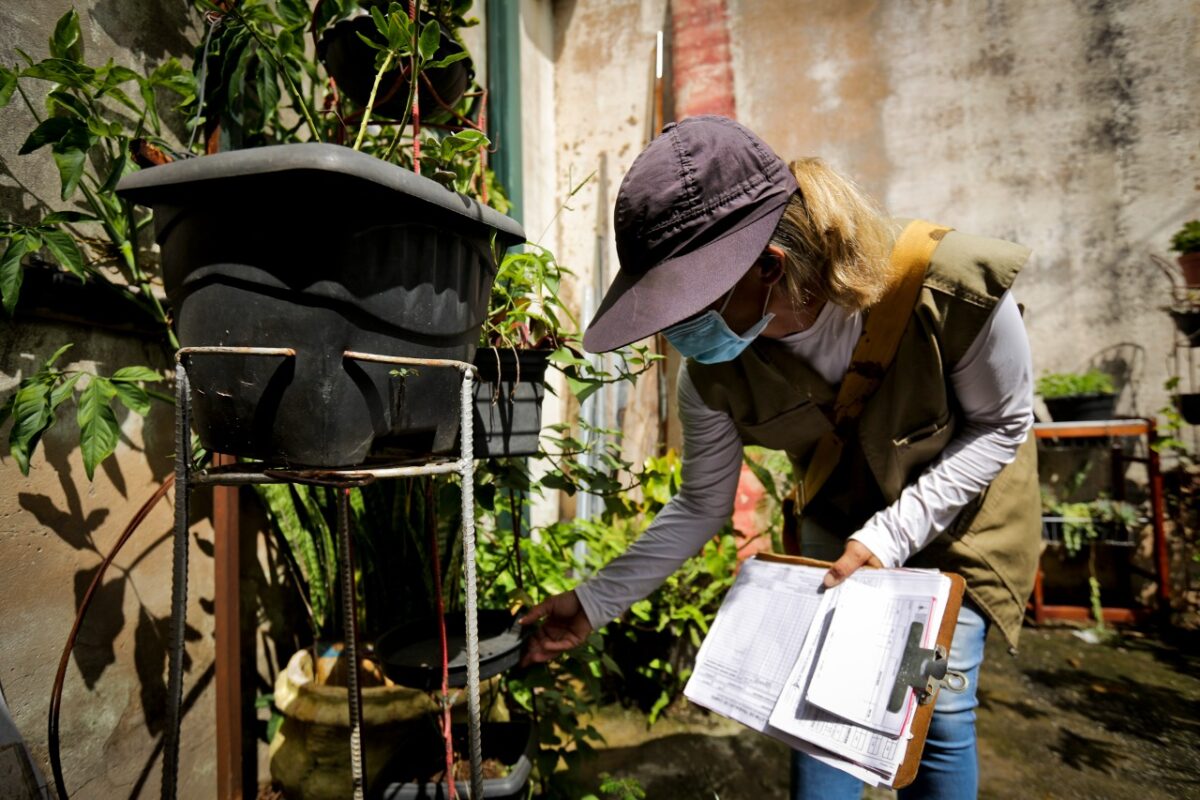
{"type": "Point", "coordinates": [816, 668]}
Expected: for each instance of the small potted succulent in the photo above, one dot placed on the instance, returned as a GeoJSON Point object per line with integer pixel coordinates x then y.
{"type": "Point", "coordinates": [1186, 242]}
{"type": "Point", "coordinates": [1078, 396]}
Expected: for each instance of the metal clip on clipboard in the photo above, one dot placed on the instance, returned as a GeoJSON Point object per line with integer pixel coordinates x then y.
{"type": "Point", "coordinates": [926, 671]}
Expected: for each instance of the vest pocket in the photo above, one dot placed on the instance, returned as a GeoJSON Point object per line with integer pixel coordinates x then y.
{"type": "Point", "coordinates": [795, 430]}
{"type": "Point", "coordinates": [916, 449]}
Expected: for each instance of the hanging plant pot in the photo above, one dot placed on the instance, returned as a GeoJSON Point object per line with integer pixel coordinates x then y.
{"type": "Point", "coordinates": [1082, 407]}
{"type": "Point", "coordinates": [1187, 322]}
{"type": "Point", "coordinates": [351, 63]}
{"type": "Point", "coordinates": [324, 250]}
{"type": "Point", "coordinates": [508, 401]}
{"type": "Point", "coordinates": [411, 654]}
{"type": "Point", "coordinates": [508, 752]}
{"type": "Point", "coordinates": [1188, 406]}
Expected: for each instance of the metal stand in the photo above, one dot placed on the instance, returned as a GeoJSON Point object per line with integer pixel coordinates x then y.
{"type": "Point", "coordinates": [1114, 431]}
{"type": "Point", "coordinates": [343, 480]}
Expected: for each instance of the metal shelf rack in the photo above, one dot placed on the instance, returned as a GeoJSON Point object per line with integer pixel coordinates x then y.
{"type": "Point", "coordinates": [188, 476]}
{"type": "Point", "coordinates": [1114, 432]}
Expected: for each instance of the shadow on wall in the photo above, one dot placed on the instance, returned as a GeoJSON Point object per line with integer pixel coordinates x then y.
{"type": "Point", "coordinates": [1125, 363]}
{"type": "Point", "coordinates": [155, 29]}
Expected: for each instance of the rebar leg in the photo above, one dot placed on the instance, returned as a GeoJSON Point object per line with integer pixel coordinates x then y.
{"type": "Point", "coordinates": [350, 623]}
{"type": "Point", "coordinates": [179, 578]}
{"type": "Point", "coordinates": [467, 467]}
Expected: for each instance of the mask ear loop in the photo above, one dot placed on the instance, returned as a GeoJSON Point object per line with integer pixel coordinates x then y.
{"type": "Point", "coordinates": [728, 297]}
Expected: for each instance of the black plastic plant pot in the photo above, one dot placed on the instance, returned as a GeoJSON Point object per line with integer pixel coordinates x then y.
{"type": "Point", "coordinates": [1188, 406]}
{"type": "Point", "coordinates": [411, 654]}
{"type": "Point", "coordinates": [351, 63]}
{"type": "Point", "coordinates": [1082, 407]}
{"type": "Point", "coordinates": [324, 250]}
{"type": "Point", "coordinates": [1187, 321]}
{"type": "Point", "coordinates": [417, 772]}
{"type": "Point", "coordinates": [508, 401]}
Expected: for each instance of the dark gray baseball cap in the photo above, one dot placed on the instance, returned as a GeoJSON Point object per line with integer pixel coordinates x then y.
{"type": "Point", "coordinates": [695, 211]}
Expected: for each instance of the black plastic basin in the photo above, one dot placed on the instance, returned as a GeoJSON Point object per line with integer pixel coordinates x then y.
{"type": "Point", "coordinates": [324, 250]}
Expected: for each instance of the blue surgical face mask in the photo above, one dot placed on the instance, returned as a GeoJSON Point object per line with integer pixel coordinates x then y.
{"type": "Point", "coordinates": [709, 340]}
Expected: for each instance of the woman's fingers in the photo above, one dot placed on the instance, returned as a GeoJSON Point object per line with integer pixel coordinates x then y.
{"type": "Point", "coordinates": [855, 556]}
{"type": "Point", "coordinates": [536, 613]}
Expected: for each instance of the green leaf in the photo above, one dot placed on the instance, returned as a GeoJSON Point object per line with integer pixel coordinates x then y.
{"type": "Point", "coordinates": [70, 165]}
{"type": "Point", "coordinates": [8, 85]}
{"type": "Point", "coordinates": [63, 102]}
{"type": "Point", "coordinates": [65, 251]}
{"type": "Point", "coordinates": [98, 429]}
{"type": "Point", "coordinates": [135, 374]}
{"type": "Point", "coordinates": [62, 71]}
{"type": "Point", "coordinates": [64, 390]}
{"type": "Point", "coordinates": [31, 417]}
{"type": "Point", "coordinates": [59, 217]}
{"type": "Point", "coordinates": [133, 397]}
{"type": "Point", "coordinates": [119, 168]}
{"type": "Point", "coordinates": [57, 355]}
{"type": "Point", "coordinates": [66, 42]}
{"type": "Point", "coordinates": [10, 271]}
{"type": "Point", "coordinates": [48, 131]}
{"type": "Point", "coordinates": [431, 36]}
{"type": "Point", "coordinates": [448, 60]}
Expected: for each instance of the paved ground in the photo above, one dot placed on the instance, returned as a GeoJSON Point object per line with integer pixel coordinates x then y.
{"type": "Point", "coordinates": [1064, 719]}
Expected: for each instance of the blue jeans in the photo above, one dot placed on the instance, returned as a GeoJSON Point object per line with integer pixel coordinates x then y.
{"type": "Point", "coordinates": [949, 766]}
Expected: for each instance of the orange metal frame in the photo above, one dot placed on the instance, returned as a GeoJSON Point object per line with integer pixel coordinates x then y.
{"type": "Point", "coordinates": [1114, 429]}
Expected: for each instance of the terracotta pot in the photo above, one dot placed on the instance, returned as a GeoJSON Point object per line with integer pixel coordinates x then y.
{"type": "Point", "coordinates": [310, 754]}
{"type": "Point", "coordinates": [1190, 264]}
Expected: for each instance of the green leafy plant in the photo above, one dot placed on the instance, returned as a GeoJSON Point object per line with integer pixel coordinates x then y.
{"type": "Point", "coordinates": [1187, 239]}
{"type": "Point", "coordinates": [90, 124]}
{"type": "Point", "coordinates": [1072, 384]}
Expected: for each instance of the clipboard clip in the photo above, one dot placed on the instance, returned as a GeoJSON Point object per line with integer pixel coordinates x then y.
{"type": "Point", "coordinates": [925, 671]}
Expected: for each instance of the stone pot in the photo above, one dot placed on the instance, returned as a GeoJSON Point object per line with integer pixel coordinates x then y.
{"type": "Point", "coordinates": [310, 753]}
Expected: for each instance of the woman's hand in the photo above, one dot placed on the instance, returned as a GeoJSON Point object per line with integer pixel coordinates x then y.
{"type": "Point", "coordinates": [855, 555]}
{"type": "Point", "coordinates": [565, 627]}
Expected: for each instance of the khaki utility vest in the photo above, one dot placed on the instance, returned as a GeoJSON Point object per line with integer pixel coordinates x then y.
{"type": "Point", "coordinates": [779, 402]}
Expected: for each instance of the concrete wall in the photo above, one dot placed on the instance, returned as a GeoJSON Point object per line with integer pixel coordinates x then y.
{"type": "Point", "coordinates": [56, 526]}
{"type": "Point", "coordinates": [1070, 127]}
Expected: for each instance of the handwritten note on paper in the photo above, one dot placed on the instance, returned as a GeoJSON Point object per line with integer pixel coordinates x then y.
{"type": "Point", "coordinates": [861, 655]}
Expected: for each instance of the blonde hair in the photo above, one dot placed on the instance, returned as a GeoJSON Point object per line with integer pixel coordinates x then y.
{"type": "Point", "coordinates": [836, 241]}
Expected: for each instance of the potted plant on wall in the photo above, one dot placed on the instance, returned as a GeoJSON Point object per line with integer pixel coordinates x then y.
{"type": "Point", "coordinates": [1078, 396]}
{"type": "Point", "coordinates": [398, 265]}
{"type": "Point", "coordinates": [1186, 242]}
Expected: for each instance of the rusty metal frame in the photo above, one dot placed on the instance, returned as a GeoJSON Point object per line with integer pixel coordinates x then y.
{"type": "Point", "coordinates": [229, 475]}
{"type": "Point", "coordinates": [1116, 429]}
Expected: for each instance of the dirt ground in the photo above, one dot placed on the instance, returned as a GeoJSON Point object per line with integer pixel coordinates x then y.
{"type": "Point", "coordinates": [1063, 719]}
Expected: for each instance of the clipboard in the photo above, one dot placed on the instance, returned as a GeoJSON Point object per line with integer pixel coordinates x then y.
{"type": "Point", "coordinates": [924, 670]}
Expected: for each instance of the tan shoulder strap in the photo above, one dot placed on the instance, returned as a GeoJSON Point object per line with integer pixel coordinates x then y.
{"type": "Point", "coordinates": [885, 323]}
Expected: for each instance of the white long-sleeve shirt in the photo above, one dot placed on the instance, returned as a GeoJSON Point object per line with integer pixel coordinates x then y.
{"type": "Point", "coordinates": [994, 386]}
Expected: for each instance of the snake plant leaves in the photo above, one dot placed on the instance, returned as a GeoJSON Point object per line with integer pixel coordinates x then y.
{"type": "Point", "coordinates": [98, 428]}
{"type": "Point", "coordinates": [66, 42]}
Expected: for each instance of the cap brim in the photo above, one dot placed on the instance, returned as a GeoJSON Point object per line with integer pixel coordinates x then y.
{"type": "Point", "coordinates": [637, 306]}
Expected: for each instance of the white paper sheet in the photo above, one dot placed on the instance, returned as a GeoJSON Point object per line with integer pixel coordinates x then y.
{"type": "Point", "coordinates": [796, 717]}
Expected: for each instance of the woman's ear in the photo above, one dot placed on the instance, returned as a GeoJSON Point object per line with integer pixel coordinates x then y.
{"type": "Point", "coordinates": [770, 265]}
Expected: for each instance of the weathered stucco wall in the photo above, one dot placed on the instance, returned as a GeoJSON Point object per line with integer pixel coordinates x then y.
{"type": "Point", "coordinates": [56, 526]}
{"type": "Point", "coordinates": [1070, 127]}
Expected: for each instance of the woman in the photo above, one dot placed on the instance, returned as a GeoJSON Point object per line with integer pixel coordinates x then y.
{"type": "Point", "coordinates": [763, 278]}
